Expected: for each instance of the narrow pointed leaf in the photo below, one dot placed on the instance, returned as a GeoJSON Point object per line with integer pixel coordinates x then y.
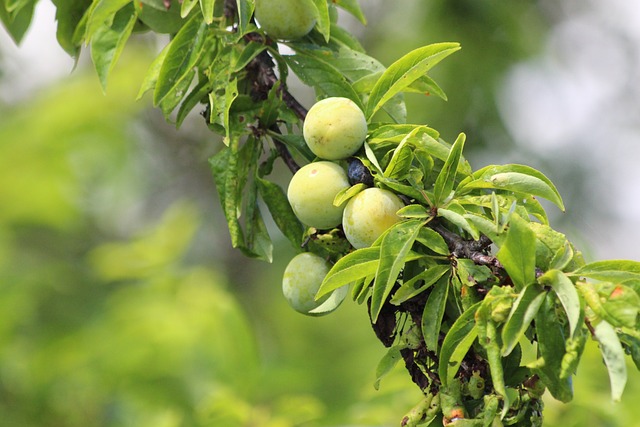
{"type": "Point", "coordinates": [433, 313]}
{"type": "Point", "coordinates": [518, 253]}
{"type": "Point", "coordinates": [522, 313]}
{"type": "Point", "coordinates": [457, 343]}
{"type": "Point", "coordinates": [405, 71]}
{"type": "Point", "coordinates": [394, 248]}
{"type": "Point", "coordinates": [613, 355]}
{"type": "Point", "coordinates": [358, 264]}
{"type": "Point", "coordinates": [446, 178]}
{"type": "Point", "coordinates": [567, 294]}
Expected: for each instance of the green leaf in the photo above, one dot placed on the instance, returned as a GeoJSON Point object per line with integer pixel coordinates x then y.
{"type": "Point", "coordinates": [323, 23]}
{"type": "Point", "coordinates": [459, 221]}
{"type": "Point", "coordinates": [613, 355]}
{"type": "Point", "coordinates": [101, 12]}
{"type": "Point", "coordinates": [354, 266]}
{"type": "Point", "coordinates": [158, 17]}
{"type": "Point", "coordinates": [433, 240]}
{"type": "Point", "coordinates": [404, 72]}
{"type": "Point", "coordinates": [457, 343]}
{"type": "Point", "coordinates": [183, 54]}
{"type": "Point", "coordinates": [512, 177]}
{"type": "Point", "coordinates": [195, 97]}
{"type": "Point", "coordinates": [398, 167]}
{"type": "Point", "coordinates": [387, 363]}
{"type": "Point", "coordinates": [518, 253]}
{"type": "Point", "coordinates": [109, 41]}
{"type": "Point", "coordinates": [414, 211]}
{"type": "Point", "coordinates": [245, 11]}
{"type": "Point", "coordinates": [394, 248]}
{"type": "Point", "coordinates": [151, 77]}
{"type": "Point", "coordinates": [207, 7]}
{"type": "Point", "coordinates": [187, 6]}
{"type": "Point", "coordinates": [321, 75]}
{"type": "Point", "coordinates": [446, 178]}
{"type": "Point", "coordinates": [419, 283]}
{"type": "Point", "coordinates": [68, 15]}
{"type": "Point", "coordinates": [433, 313]}
{"type": "Point", "coordinates": [347, 193]}
{"type": "Point", "coordinates": [276, 200]}
{"type": "Point", "coordinates": [611, 270]}
{"type": "Point", "coordinates": [353, 7]}
{"type": "Point", "coordinates": [522, 313]}
{"type": "Point", "coordinates": [18, 23]}
{"type": "Point", "coordinates": [567, 294]}
{"type": "Point", "coordinates": [551, 350]}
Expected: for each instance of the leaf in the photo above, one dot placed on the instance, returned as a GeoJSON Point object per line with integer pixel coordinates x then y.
{"type": "Point", "coordinates": [404, 72]}
{"type": "Point", "coordinates": [567, 294]}
{"type": "Point", "coordinates": [457, 343]}
{"type": "Point", "coordinates": [276, 200]}
{"type": "Point", "coordinates": [153, 72]}
{"type": "Point", "coordinates": [245, 11]}
{"type": "Point", "coordinates": [331, 303]}
{"type": "Point", "coordinates": [195, 97]}
{"type": "Point", "coordinates": [446, 178]}
{"type": "Point", "coordinates": [419, 283]}
{"type": "Point", "coordinates": [398, 167]}
{"type": "Point", "coordinates": [207, 7]}
{"type": "Point", "coordinates": [433, 240]}
{"type": "Point", "coordinates": [102, 11]}
{"type": "Point", "coordinates": [551, 350]}
{"type": "Point", "coordinates": [414, 211]}
{"type": "Point", "coordinates": [433, 313]}
{"type": "Point", "coordinates": [353, 7]}
{"type": "Point", "coordinates": [460, 221]}
{"type": "Point", "coordinates": [187, 6]}
{"type": "Point", "coordinates": [17, 24]}
{"type": "Point", "coordinates": [611, 270]}
{"type": "Point", "coordinates": [613, 355]}
{"type": "Point", "coordinates": [513, 177]}
{"type": "Point", "coordinates": [323, 23]}
{"type": "Point", "coordinates": [109, 41]}
{"type": "Point", "coordinates": [347, 193]}
{"type": "Point", "coordinates": [184, 51]}
{"type": "Point", "coordinates": [387, 363]}
{"type": "Point", "coordinates": [68, 15]}
{"type": "Point", "coordinates": [321, 75]}
{"type": "Point", "coordinates": [394, 248]}
{"type": "Point", "coordinates": [522, 313]}
{"type": "Point", "coordinates": [354, 266]}
{"type": "Point", "coordinates": [518, 253]}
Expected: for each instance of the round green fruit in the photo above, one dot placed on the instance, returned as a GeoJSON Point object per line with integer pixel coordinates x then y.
{"type": "Point", "coordinates": [368, 214]}
{"type": "Point", "coordinates": [286, 19]}
{"type": "Point", "coordinates": [302, 279]}
{"type": "Point", "coordinates": [335, 128]}
{"type": "Point", "coordinates": [311, 193]}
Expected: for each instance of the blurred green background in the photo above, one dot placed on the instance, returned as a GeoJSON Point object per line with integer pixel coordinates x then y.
{"type": "Point", "coordinates": [121, 301]}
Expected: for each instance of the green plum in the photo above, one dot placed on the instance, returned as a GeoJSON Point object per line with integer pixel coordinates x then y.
{"type": "Point", "coordinates": [286, 19]}
{"type": "Point", "coordinates": [300, 283]}
{"type": "Point", "coordinates": [311, 193]}
{"type": "Point", "coordinates": [368, 214]}
{"type": "Point", "coordinates": [335, 128]}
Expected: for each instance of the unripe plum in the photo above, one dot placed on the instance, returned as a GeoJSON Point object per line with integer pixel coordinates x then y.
{"type": "Point", "coordinates": [335, 128]}
{"type": "Point", "coordinates": [311, 193]}
{"type": "Point", "coordinates": [286, 19]}
{"type": "Point", "coordinates": [302, 279]}
{"type": "Point", "coordinates": [368, 214]}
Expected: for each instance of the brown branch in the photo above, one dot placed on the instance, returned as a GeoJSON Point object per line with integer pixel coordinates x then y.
{"type": "Point", "coordinates": [470, 249]}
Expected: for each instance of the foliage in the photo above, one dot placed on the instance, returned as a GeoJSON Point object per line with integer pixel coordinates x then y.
{"type": "Point", "coordinates": [487, 305]}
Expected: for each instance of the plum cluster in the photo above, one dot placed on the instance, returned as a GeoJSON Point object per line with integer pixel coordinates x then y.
{"type": "Point", "coordinates": [334, 130]}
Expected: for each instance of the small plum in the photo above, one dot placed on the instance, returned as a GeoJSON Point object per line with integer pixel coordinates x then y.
{"type": "Point", "coordinates": [368, 214]}
{"type": "Point", "coordinates": [335, 128]}
{"type": "Point", "coordinates": [286, 19]}
{"type": "Point", "coordinates": [300, 283]}
{"type": "Point", "coordinates": [311, 193]}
